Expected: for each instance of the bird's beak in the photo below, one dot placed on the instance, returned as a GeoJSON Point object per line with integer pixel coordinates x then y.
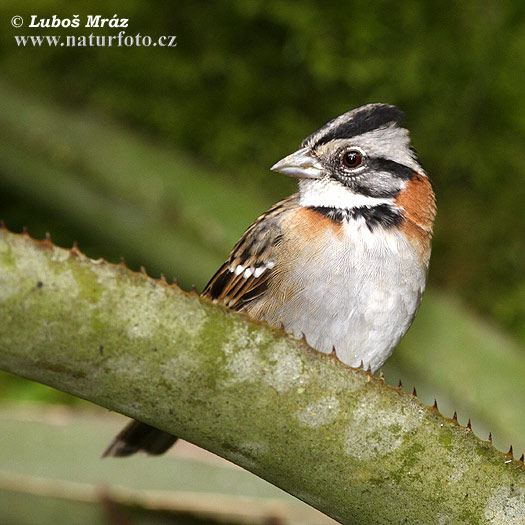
{"type": "Point", "coordinates": [301, 164]}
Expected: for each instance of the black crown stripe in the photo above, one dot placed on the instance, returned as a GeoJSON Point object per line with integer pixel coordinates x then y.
{"type": "Point", "coordinates": [362, 121]}
{"type": "Point", "coordinates": [391, 166]}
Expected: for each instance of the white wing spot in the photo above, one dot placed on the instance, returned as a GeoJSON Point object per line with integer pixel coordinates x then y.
{"type": "Point", "coordinates": [259, 271]}
{"type": "Point", "coordinates": [250, 270]}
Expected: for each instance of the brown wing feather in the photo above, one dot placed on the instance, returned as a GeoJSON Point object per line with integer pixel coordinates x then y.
{"type": "Point", "coordinates": [250, 266]}
{"type": "Point", "coordinates": [235, 290]}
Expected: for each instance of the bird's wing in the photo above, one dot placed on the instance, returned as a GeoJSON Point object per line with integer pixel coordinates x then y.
{"type": "Point", "coordinates": [246, 273]}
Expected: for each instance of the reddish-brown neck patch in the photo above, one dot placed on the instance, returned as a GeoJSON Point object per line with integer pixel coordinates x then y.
{"type": "Point", "coordinates": [419, 209]}
{"type": "Point", "coordinates": [311, 224]}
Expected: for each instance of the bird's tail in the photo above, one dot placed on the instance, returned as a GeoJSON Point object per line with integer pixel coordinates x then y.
{"type": "Point", "coordinates": [139, 437]}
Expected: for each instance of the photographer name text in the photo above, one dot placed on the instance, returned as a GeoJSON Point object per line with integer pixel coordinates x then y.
{"type": "Point", "coordinates": [90, 21]}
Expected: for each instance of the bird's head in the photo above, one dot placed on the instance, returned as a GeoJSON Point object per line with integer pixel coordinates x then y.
{"type": "Point", "coordinates": [361, 158]}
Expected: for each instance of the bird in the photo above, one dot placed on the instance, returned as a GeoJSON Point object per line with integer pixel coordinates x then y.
{"type": "Point", "coordinates": [344, 261]}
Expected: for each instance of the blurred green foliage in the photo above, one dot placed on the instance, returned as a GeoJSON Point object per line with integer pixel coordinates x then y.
{"type": "Point", "coordinates": [248, 80]}
{"type": "Point", "coordinates": [162, 155]}
{"type": "Point", "coordinates": [49, 474]}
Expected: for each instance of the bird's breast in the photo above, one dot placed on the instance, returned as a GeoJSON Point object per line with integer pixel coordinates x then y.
{"type": "Point", "coordinates": [344, 286]}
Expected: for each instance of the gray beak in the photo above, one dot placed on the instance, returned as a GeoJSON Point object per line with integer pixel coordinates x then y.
{"type": "Point", "coordinates": [301, 165]}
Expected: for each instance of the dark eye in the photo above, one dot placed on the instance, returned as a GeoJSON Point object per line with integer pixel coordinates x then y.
{"type": "Point", "coordinates": [352, 159]}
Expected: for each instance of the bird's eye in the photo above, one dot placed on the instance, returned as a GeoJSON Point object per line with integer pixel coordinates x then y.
{"type": "Point", "coordinates": [352, 159]}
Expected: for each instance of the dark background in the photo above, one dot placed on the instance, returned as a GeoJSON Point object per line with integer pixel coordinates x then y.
{"type": "Point", "coordinates": [162, 155]}
{"type": "Point", "coordinates": [248, 80]}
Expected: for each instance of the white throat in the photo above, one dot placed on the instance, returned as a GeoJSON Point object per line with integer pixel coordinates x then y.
{"type": "Point", "coordinates": [328, 193]}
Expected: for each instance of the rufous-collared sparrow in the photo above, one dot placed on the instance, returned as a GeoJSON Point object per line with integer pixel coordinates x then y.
{"type": "Point", "coordinates": [344, 261]}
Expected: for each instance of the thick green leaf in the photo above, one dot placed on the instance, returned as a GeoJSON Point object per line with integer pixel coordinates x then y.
{"type": "Point", "coordinates": [337, 438]}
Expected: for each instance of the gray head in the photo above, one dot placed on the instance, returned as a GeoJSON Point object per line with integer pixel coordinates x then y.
{"type": "Point", "coordinates": [361, 158]}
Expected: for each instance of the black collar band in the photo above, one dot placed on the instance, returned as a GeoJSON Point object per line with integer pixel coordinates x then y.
{"type": "Point", "coordinates": [381, 215]}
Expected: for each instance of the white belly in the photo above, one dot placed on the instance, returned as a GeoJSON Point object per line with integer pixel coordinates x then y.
{"type": "Point", "coordinates": [358, 294]}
